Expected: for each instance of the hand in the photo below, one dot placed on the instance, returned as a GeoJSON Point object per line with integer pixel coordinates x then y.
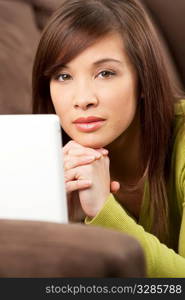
{"type": "Point", "coordinates": [76, 155]}
{"type": "Point", "coordinates": [93, 198]}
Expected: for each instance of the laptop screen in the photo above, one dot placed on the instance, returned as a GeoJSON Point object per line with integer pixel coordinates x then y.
{"type": "Point", "coordinates": [31, 168]}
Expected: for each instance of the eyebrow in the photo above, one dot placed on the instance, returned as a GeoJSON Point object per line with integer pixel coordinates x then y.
{"type": "Point", "coordinates": [101, 61]}
{"type": "Point", "coordinates": [104, 60]}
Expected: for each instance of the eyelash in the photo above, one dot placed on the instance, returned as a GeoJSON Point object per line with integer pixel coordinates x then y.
{"type": "Point", "coordinates": [106, 72]}
{"type": "Point", "coordinates": [57, 77]}
{"type": "Point", "coordinates": [109, 73]}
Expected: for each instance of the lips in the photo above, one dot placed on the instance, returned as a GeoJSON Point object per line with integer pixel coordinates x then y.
{"type": "Point", "coordinates": [89, 124]}
{"type": "Point", "coordinates": [88, 120]}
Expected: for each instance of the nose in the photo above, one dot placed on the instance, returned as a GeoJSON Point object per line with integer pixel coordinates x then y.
{"type": "Point", "coordinates": [85, 98]}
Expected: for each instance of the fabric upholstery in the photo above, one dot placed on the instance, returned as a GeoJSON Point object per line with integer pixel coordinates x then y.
{"type": "Point", "coordinates": [44, 249]}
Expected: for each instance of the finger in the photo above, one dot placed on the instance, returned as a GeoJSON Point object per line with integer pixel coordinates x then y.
{"type": "Point", "coordinates": [88, 151]}
{"type": "Point", "coordinates": [72, 174]}
{"type": "Point", "coordinates": [84, 152]}
{"type": "Point", "coordinates": [69, 145]}
{"type": "Point", "coordinates": [72, 145]}
{"type": "Point", "coordinates": [103, 151]}
{"type": "Point", "coordinates": [75, 161]}
{"type": "Point", "coordinates": [114, 187]}
{"type": "Point", "coordinates": [77, 185]}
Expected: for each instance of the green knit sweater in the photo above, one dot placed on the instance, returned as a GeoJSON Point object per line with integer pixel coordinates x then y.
{"type": "Point", "coordinates": [161, 261]}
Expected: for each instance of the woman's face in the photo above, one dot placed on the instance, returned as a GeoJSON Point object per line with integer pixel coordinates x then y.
{"type": "Point", "coordinates": [95, 94]}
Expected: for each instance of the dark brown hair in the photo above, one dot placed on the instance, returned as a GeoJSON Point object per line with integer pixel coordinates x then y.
{"type": "Point", "coordinates": [76, 25]}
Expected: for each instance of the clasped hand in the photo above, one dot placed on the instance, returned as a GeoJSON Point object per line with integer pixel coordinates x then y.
{"type": "Point", "coordinates": [87, 179]}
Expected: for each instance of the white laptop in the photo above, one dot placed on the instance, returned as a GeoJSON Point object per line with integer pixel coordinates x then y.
{"type": "Point", "coordinates": [31, 169]}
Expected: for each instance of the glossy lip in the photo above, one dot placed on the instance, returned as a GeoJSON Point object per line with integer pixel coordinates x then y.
{"type": "Point", "coordinates": [89, 124]}
{"type": "Point", "coordinates": [89, 119]}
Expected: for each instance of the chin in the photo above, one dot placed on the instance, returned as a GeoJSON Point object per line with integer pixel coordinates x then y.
{"type": "Point", "coordinates": [91, 144]}
{"type": "Point", "coordinates": [94, 145]}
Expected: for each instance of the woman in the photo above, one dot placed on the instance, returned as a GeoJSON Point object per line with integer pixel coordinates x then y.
{"type": "Point", "coordinates": [99, 67]}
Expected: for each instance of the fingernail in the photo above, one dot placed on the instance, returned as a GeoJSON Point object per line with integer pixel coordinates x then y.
{"type": "Point", "coordinates": [105, 151]}
{"type": "Point", "coordinates": [98, 155]}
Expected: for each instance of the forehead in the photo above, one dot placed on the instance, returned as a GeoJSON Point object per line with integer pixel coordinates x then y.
{"type": "Point", "coordinates": [109, 46]}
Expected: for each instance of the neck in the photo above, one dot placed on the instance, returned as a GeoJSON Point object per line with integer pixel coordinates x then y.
{"type": "Point", "coordinates": [125, 155]}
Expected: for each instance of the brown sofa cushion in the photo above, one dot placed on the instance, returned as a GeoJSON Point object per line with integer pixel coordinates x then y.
{"type": "Point", "coordinates": [43, 249]}
{"type": "Point", "coordinates": [168, 15]}
{"type": "Point", "coordinates": [18, 40]}
{"type": "Point", "coordinates": [20, 25]}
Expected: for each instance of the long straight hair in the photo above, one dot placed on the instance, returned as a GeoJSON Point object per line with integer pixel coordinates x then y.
{"type": "Point", "coordinates": [76, 25]}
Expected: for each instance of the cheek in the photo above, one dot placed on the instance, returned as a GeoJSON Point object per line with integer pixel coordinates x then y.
{"type": "Point", "coordinates": [63, 113]}
{"type": "Point", "coordinates": [59, 103]}
{"type": "Point", "coordinates": [123, 103]}
{"type": "Point", "coordinates": [119, 99]}
{"type": "Point", "coordinates": [54, 95]}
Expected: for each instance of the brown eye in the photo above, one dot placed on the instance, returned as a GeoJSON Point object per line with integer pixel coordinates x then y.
{"type": "Point", "coordinates": [106, 74]}
{"type": "Point", "coordinates": [63, 77]}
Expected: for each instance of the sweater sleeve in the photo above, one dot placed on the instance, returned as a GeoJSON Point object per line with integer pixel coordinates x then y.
{"type": "Point", "coordinates": [160, 260]}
